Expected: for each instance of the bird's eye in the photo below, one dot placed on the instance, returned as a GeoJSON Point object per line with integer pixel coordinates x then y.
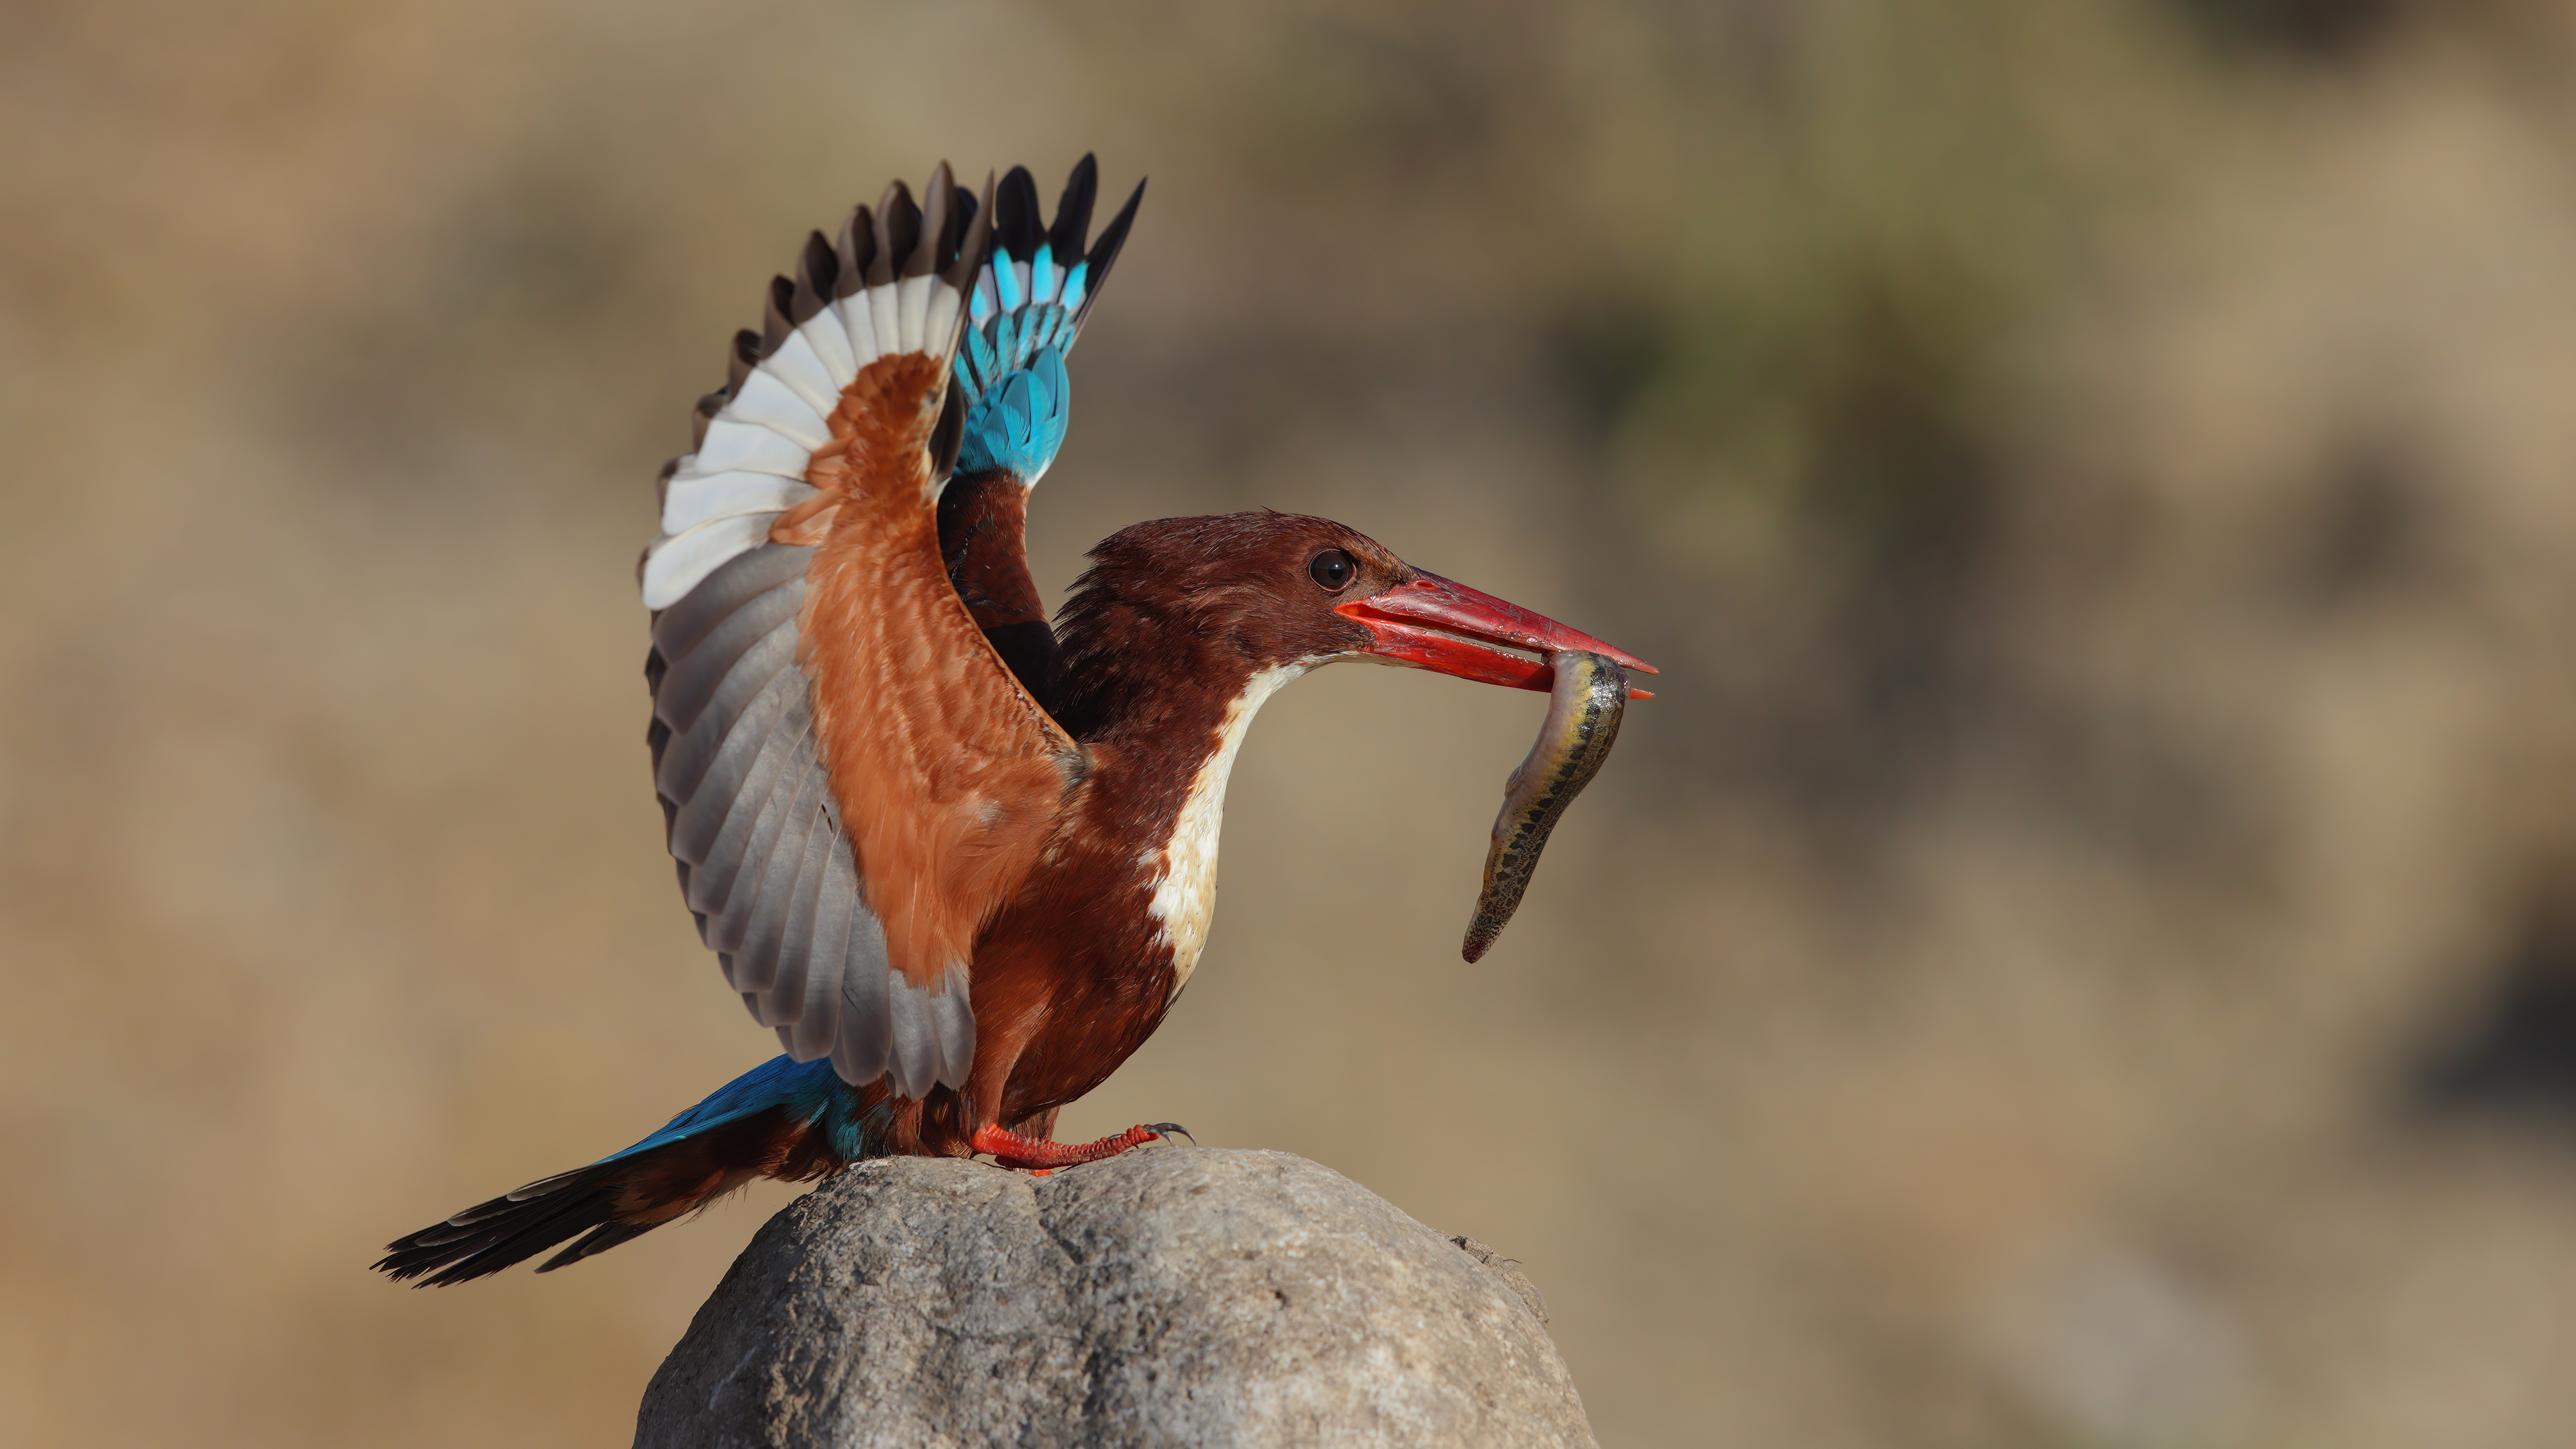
{"type": "Point", "coordinates": [1333, 569]}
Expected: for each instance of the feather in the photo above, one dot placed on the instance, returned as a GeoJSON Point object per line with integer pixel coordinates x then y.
{"type": "Point", "coordinates": [859, 1055]}
{"type": "Point", "coordinates": [764, 627]}
{"type": "Point", "coordinates": [886, 314]}
{"type": "Point", "coordinates": [767, 400]}
{"type": "Point", "coordinates": [725, 930]}
{"type": "Point", "coordinates": [858, 325]}
{"type": "Point", "coordinates": [1015, 228]}
{"type": "Point", "coordinates": [858, 249]}
{"type": "Point", "coordinates": [933, 1032]}
{"type": "Point", "coordinates": [956, 244]}
{"type": "Point", "coordinates": [766, 920]}
{"type": "Point", "coordinates": [514, 1230]}
{"type": "Point", "coordinates": [1104, 252]}
{"type": "Point", "coordinates": [601, 1239]}
{"type": "Point", "coordinates": [941, 196]}
{"type": "Point", "coordinates": [788, 996]}
{"type": "Point", "coordinates": [945, 438]}
{"type": "Point", "coordinates": [703, 414]}
{"type": "Point", "coordinates": [898, 231]}
{"type": "Point", "coordinates": [776, 314]}
{"type": "Point", "coordinates": [1073, 210]}
{"type": "Point", "coordinates": [913, 1060]}
{"type": "Point", "coordinates": [718, 892]}
{"type": "Point", "coordinates": [836, 905]}
{"type": "Point", "coordinates": [734, 442]}
{"type": "Point", "coordinates": [805, 372]}
{"type": "Point", "coordinates": [520, 1238]}
{"type": "Point", "coordinates": [681, 762]}
{"type": "Point", "coordinates": [741, 356]}
{"type": "Point", "coordinates": [912, 300]}
{"type": "Point", "coordinates": [714, 831]}
{"type": "Point", "coordinates": [1042, 274]}
{"type": "Point", "coordinates": [1027, 302]}
{"type": "Point", "coordinates": [818, 267]}
{"type": "Point", "coordinates": [977, 363]}
{"type": "Point", "coordinates": [746, 577]}
{"type": "Point", "coordinates": [693, 501]}
{"type": "Point", "coordinates": [674, 564]}
{"type": "Point", "coordinates": [1021, 424]}
{"type": "Point", "coordinates": [939, 322]}
{"type": "Point", "coordinates": [747, 706]}
{"type": "Point", "coordinates": [830, 340]}
{"type": "Point", "coordinates": [952, 1019]}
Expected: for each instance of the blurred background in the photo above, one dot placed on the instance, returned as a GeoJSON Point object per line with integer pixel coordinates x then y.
{"type": "Point", "coordinates": [2082, 952]}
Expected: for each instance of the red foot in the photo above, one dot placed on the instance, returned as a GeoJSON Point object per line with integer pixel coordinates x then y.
{"type": "Point", "coordinates": [1012, 1150]}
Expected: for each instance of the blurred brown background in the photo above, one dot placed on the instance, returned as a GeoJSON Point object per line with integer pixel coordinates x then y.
{"type": "Point", "coordinates": [2083, 952]}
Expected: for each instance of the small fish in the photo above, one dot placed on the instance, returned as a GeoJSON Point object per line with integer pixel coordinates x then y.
{"type": "Point", "coordinates": [1583, 712]}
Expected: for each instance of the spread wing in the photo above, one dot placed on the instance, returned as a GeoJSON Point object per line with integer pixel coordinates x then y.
{"type": "Point", "coordinates": [853, 781]}
{"type": "Point", "coordinates": [1026, 308]}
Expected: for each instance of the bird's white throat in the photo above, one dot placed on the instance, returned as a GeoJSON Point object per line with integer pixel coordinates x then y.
{"type": "Point", "coordinates": [1185, 887]}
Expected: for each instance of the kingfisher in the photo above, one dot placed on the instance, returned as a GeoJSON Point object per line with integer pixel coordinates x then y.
{"type": "Point", "coordinates": [961, 861]}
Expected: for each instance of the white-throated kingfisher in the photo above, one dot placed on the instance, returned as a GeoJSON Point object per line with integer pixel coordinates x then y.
{"type": "Point", "coordinates": [960, 861]}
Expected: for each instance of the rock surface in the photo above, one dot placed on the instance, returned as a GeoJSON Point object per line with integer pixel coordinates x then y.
{"type": "Point", "coordinates": [1170, 1296]}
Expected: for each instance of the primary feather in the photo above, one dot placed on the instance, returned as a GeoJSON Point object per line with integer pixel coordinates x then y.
{"type": "Point", "coordinates": [1025, 312]}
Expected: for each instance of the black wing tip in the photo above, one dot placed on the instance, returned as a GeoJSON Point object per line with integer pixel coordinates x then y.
{"type": "Point", "coordinates": [938, 213]}
{"type": "Point", "coordinates": [898, 232]}
{"type": "Point", "coordinates": [777, 315]}
{"type": "Point", "coordinates": [818, 271]}
{"type": "Point", "coordinates": [1016, 228]}
{"type": "Point", "coordinates": [741, 356]}
{"type": "Point", "coordinates": [975, 236]}
{"type": "Point", "coordinates": [1104, 252]}
{"type": "Point", "coordinates": [1073, 211]}
{"type": "Point", "coordinates": [858, 249]}
{"type": "Point", "coordinates": [952, 237]}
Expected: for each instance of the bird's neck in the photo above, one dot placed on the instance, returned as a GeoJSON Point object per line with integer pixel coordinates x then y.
{"type": "Point", "coordinates": [1166, 712]}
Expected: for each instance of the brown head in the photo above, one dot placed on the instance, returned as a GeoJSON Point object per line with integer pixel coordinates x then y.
{"type": "Point", "coordinates": [1222, 599]}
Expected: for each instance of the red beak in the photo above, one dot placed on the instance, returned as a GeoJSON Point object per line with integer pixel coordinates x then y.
{"type": "Point", "coordinates": [1432, 623]}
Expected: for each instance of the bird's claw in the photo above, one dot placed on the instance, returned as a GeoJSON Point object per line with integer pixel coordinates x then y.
{"type": "Point", "coordinates": [1171, 1129]}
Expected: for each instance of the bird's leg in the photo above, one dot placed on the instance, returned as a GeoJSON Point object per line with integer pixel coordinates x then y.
{"type": "Point", "coordinates": [1013, 1150]}
{"type": "Point", "coordinates": [1040, 1126]}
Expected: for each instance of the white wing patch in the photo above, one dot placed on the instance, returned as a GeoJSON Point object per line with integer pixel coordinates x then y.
{"type": "Point", "coordinates": [1184, 902]}
{"type": "Point", "coordinates": [751, 465]}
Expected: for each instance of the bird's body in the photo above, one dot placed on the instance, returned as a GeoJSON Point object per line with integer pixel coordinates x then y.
{"type": "Point", "coordinates": [962, 863]}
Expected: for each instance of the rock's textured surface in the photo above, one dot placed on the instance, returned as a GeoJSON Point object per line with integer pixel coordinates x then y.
{"type": "Point", "coordinates": [1172, 1296]}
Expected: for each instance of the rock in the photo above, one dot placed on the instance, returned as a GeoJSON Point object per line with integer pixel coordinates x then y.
{"type": "Point", "coordinates": [1169, 1296]}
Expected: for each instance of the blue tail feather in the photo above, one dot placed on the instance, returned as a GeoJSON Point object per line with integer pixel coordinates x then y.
{"type": "Point", "coordinates": [600, 1203]}
{"type": "Point", "coordinates": [808, 1090]}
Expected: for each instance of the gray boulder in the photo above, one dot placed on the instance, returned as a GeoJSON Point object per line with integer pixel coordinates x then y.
{"type": "Point", "coordinates": [1172, 1295]}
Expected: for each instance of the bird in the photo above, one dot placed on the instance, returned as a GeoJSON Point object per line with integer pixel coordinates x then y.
{"type": "Point", "coordinates": [960, 860]}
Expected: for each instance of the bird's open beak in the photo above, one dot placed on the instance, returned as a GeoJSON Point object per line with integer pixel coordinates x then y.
{"type": "Point", "coordinates": [1433, 623]}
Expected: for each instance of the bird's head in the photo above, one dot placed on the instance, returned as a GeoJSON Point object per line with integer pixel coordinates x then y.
{"type": "Point", "coordinates": [1281, 590]}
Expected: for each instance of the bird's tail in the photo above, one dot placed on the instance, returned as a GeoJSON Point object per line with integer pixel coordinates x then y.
{"type": "Point", "coordinates": [783, 1119]}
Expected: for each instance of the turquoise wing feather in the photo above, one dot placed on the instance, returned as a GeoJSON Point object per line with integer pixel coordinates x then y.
{"type": "Point", "coordinates": [1026, 309]}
